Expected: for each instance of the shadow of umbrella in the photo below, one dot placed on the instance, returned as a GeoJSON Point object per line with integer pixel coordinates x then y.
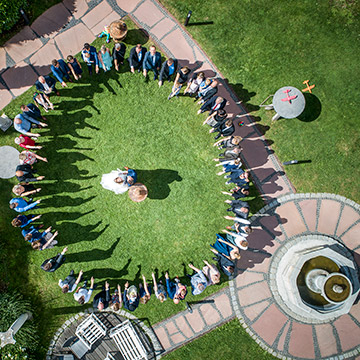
{"type": "Point", "coordinates": [312, 108]}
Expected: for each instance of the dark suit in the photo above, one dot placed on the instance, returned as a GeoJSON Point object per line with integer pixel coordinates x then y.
{"type": "Point", "coordinates": [225, 131]}
{"type": "Point", "coordinates": [50, 82]}
{"type": "Point", "coordinates": [164, 72]}
{"type": "Point", "coordinates": [119, 54]}
{"type": "Point", "coordinates": [104, 297]}
{"type": "Point", "coordinates": [236, 205]}
{"type": "Point", "coordinates": [150, 64]}
{"type": "Point", "coordinates": [56, 262]}
{"type": "Point", "coordinates": [33, 111]}
{"type": "Point", "coordinates": [134, 58]}
{"type": "Point", "coordinates": [28, 173]}
{"type": "Point", "coordinates": [210, 94]}
{"type": "Point", "coordinates": [209, 105]}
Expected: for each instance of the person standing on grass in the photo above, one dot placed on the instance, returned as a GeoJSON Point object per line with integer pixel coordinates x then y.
{"type": "Point", "coordinates": [105, 60]}
{"type": "Point", "coordinates": [212, 273]}
{"type": "Point", "coordinates": [42, 100]}
{"type": "Point", "coordinates": [74, 66]}
{"type": "Point", "coordinates": [213, 104]}
{"type": "Point", "coordinates": [159, 289]}
{"type": "Point", "coordinates": [52, 264]}
{"type": "Point", "coordinates": [30, 110]}
{"type": "Point", "coordinates": [21, 205]}
{"type": "Point", "coordinates": [116, 300]}
{"type": "Point", "coordinates": [198, 281]}
{"type": "Point", "coordinates": [175, 290]}
{"type": "Point", "coordinates": [144, 291]}
{"type": "Point", "coordinates": [26, 142]}
{"type": "Point", "coordinates": [168, 68]}
{"type": "Point", "coordinates": [118, 54]}
{"type": "Point", "coordinates": [29, 158]}
{"type": "Point", "coordinates": [60, 70]}
{"type": "Point", "coordinates": [194, 83]}
{"type": "Point", "coordinates": [43, 243]}
{"type": "Point", "coordinates": [23, 125]}
{"type": "Point", "coordinates": [136, 58]}
{"type": "Point", "coordinates": [152, 62]}
{"type": "Point", "coordinates": [25, 173]}
{"type": "Point", "coordinates": [70, 283]}
{"type": "Point", "coordinates": [130, 297]}
{"type": "Point", "coordinates": [101, 300]}
{"type": "Point", "coordinates": [181, 78]}
{"type": "Point", "coordinates": [25, 190]}
{"type": "Point", "coordinates": [82, 295]}
{"type": "Point", "coordinates": [24, 220]}
{"type": "Point", "coordinates": [46, 85]}
{"type": "Point", "coordinates": [238, 192]}
{"type": "Point", "coordinates": [90, 57]}
{"type": "Point", "coordinates": [239, 208]}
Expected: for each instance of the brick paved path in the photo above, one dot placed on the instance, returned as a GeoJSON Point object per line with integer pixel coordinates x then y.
{"type": "Point", "coordinates": [62, 30]}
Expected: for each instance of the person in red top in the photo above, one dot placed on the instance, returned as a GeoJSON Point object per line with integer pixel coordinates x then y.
{"type": "Point", "coordinates": [26, 142]}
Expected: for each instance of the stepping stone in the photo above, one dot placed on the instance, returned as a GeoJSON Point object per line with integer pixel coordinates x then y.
{"type": "Point", "coordinates": [5, 96]}
{"type": "Point", "coordinates": [41, 60]}
{"type": "Point", "coordinates": [2, 59]}
{"type": "Point", "coordinates": [301, 342]}
{"type": "Point", "coordinates": [19, 78]}
{"type": "Point", "coordinates": [329, 215]}
{"type": "Point", "coordinates": [99, 27]}
{"type": "Point", "coordinates": [163, 338]}
{"type": "Point", "coordinates": [308, 209]}
{"type": "Point", "coordinates": [98, 13]}
{"type": "Point", "coordinates": [348, 217]}
{"type": "Point", "coordinates": [162, 28]}
{"type": "Point", "coordinates": [326, 339]}
{"type": "Point", "coordinates": [51, 21]}
{"type": "Point", "coordinates": [149, 14]}
{"type": "Point", "coordinates": [23, 44]}
{"type": "Point", "coordinates": [348, 331]}
{"type": "Point", "coordinates": [127, 5]}
{"type": "Point", "coordinates": [77, 7]}
{"type": "Point", "coordinates": [9, 161]}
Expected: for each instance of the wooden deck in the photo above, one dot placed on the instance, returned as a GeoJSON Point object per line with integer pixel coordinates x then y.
{"type": "Point", "coordinates": [103, 346]}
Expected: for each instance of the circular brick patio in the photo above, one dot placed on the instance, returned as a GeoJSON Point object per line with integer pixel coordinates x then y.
{"type": "Point", "coordinates": [256, 303]}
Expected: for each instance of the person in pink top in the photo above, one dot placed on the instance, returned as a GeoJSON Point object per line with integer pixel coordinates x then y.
{"type": "Point", "coordinates": [28, 157]}
{"type": "Point", "coordinates": [26, 142]}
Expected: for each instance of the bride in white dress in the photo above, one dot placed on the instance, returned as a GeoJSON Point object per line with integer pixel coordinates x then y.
{"type": "Point", "coordinates": [115, 181]}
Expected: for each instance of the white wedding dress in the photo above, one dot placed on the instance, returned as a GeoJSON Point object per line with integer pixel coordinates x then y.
{"type": "Point", "coordinates": [108, 183]}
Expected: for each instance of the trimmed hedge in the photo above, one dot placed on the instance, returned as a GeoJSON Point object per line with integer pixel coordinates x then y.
{"type": "Point", "coordinates": [9, 13]}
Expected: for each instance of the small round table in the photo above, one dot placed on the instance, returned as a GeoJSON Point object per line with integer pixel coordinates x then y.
{"type": "Point", "coordinates": [9, 161]}
{"type": "Point", "coordinates": [138, 192]}
{"type": "Point", "coordinates": [288, 102]}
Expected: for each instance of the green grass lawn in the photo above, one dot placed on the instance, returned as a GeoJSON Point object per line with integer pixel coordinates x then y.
{"type": "Point", "coordinates": [99, 124]}
{"type": "Point", "coordinates": [230, 342]}
{"type": "Point", "coordinates": [260, 46]}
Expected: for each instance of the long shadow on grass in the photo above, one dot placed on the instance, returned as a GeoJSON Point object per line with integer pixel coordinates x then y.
{"type": "Point", "coordinates": [157, 181]}
{"type": "Point", "coordinates": [244, 95]}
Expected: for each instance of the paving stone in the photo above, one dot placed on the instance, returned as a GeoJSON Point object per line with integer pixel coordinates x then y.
{"type": "Point", "coordinates": [2, 59]}
{"type": "Point", "coordinates": [274, 189]}
{"type": "Point", "coordinates": [301, 342]}
{"type": "Point", "coordinates": [348, 217]}
{"type": "Point", "coordinates": [72, 40]}
{"type": "Point", "coordinates": [178, 45]}
{"type": "Point", "coordinates": [269, 324]}
{"type": "Point", "coordinates": [295, 224]}
{"type": "Point", "coordinates": [308, 208]}
{"type": "Point", "coordinates": [77, 7]}
{"type": "Point", "coordinates": [195, 321]}
{"type": "Point", "coordinates": [98, 13]}
{"type": "Point", "coordinates": [254, 310]}
{"type": "Point", "coordinates": [41, 60]}
{"type": "Point", "coordinates": [348, 331]}
{"type": "Point", "coordinates": [326, 340]}
{"type": "Point", "coordinates": [163, 27]}
{"type": "Point", "coordinates": [5, 96]}
{"type": "Point", "coordinates": [282, 338]}
{"type": "Point", "coordinates": [177, 338]}
{"type": "Point", "coordinates": [254, 261]}
{"type": "Point", "coordinates": [99, 27]}
{"type": "Point", "coordinates": [127, 5]}
{"type": "Point", "coordinates": [329, 215]}
{"type": "Point", "coordinates": [184, 327]}
{"type": "Point", "coordinates": [248, 277]}
{"type": "Point", "coordinates": [23, 44]}
{"type": "Point", "coordinates": [148, 13]}
{"type": "Point", "coordinates": [210, 315]}
{"type": "Point", "coordinates": [261, 240]}
{"type": "Point", "coordinates": [19, 78]}
{"type": "Point", "coordinates": [355, 311]}
{"type": "Point", "coordinates": [254, 293]}
{"type": "Point", "coordinates": [171, 328]}
{"type": "Point", "coordinates": [51, 21]}
{"type": "Point", "coordinates": [163, 338]}
{"type": "Point", "coordinates": [351, 237]}
{"type": "Point", "coordinates": [198, 55]}
{"type": "Point", "coordinates": [223, 304]}
{"type": "Point", "coordinates": [272, 224]}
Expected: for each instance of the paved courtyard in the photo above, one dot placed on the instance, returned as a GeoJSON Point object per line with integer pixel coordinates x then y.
{"type": "Point", "coordinates": [62, 30]}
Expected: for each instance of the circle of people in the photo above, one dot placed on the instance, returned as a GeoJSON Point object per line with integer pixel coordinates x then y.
{"type": "Point", "coordinates": [228, 244]}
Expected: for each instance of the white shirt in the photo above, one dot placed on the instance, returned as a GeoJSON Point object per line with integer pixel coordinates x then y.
{"type": "Point", "coordinates": [46, 87]}
{"type": "Point", "coordinates": [71, 289]}
{"type": "Point", "coordinates": [83, 292]}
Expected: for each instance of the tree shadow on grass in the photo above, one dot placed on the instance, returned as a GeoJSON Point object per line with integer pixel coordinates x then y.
{"type": "Point", "coordinates": [312, 108]}
{"type": "Point", "coordinates": [157, 181]}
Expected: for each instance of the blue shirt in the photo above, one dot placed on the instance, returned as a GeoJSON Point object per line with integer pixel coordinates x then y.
{"type": "Point", "coordinates": [171, 69]}
{"type": "Point", "coordinates": [25, 126]}
{"type": "Point", "coordinates": [22, 204]}
{"type": "Point", "coordinates": [25, 221]}
{"type": "Point", "coordinates": [93, 56]}
{"type": "Point", "coordinates": [133, 174]}
{"type": "Point", "coordinates": [36, 234]}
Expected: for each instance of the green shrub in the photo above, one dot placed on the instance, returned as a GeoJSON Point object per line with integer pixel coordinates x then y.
{"type": "Point", "coordinates": [9, 13]}
{"type": "Point", "coordinates": [12, 305]}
